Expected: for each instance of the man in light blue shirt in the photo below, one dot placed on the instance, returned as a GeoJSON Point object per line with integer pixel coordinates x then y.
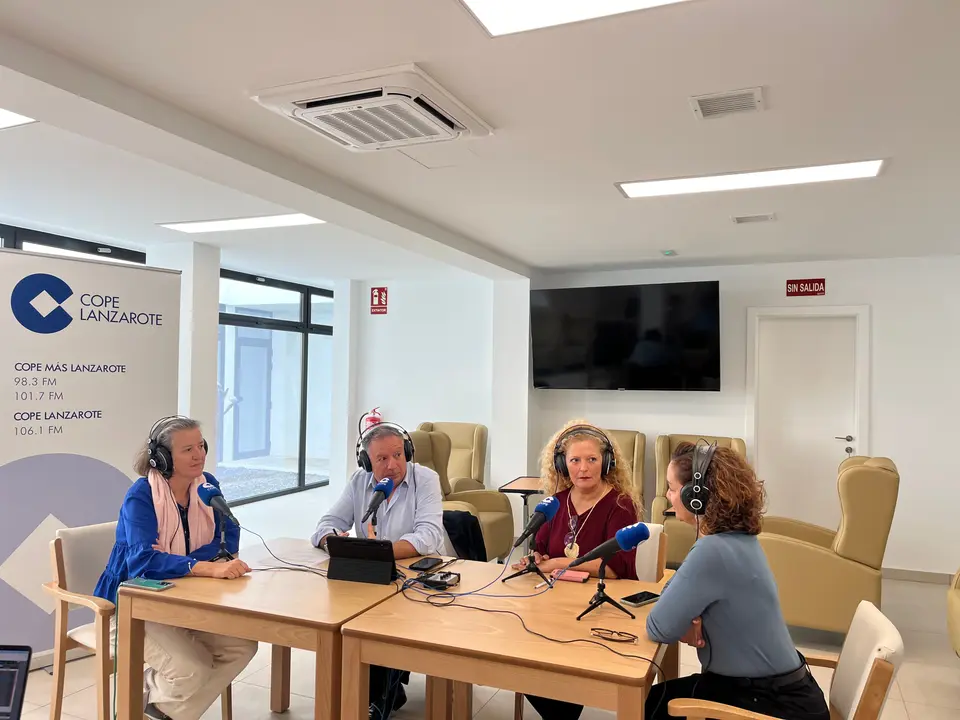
{"type": "Point", "coordinates": [411, 518]}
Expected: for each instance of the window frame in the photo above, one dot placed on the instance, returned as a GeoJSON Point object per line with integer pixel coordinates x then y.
{"type": "Point", "coordinates": [14, 238]}
{"type": "Point", "coordinates": [306, 328]}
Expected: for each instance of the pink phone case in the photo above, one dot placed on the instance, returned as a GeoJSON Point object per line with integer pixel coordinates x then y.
{"type": "Point", "coordinates": [580, 576]}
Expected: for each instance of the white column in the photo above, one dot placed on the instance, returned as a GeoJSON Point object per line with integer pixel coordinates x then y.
{"type": "Point", "coordinates": [509, 427]}
{"type": "Point", "coordinates": [199, 322]}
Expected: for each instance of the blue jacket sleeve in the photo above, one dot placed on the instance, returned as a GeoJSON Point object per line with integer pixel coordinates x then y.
{"type": "Point", "coordinates": [140, 526]}
{"type": "Point", "coordinates": [208, 552]}
{"type": "Point", "coordinates": [690, 591]}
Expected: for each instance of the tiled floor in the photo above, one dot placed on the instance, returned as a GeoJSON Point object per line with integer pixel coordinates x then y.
{"type": "Point", "coordinates": [927, 686]}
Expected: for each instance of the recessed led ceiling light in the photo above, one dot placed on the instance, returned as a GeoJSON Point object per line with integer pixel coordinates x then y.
{"type": "Point", "coordinates": [502, 17]}
{"type": "Point", "coordinates": [252, 223]}
{"type": "Point", "coordinates": [746, 181]}
{"type": "Point", "coordinates": [11, 119]}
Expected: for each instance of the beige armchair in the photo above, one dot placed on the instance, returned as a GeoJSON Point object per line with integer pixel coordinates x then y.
{"type": "Point", "coordinates": [953, 612]}
{"type": "Point", "coordinates": [681, 535]}
{"type": "Point", "coordinates": [491, 508]}
{"type": "Point", "coordinates": [634, 447]}
{"type": "Point", "coordinates": [824, 575]}
{"type": "Point", "coordinates": [468, 453]}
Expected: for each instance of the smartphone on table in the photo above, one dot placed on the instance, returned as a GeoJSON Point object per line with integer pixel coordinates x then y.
{"type": "Point", "coordinates": [640, 599]}
{"type": "Point", "coordinates": [145, 584]}
{"type": "Point", "coordinates": [426, 563]}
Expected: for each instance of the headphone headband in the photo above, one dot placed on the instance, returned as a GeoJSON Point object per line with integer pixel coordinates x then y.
{"type": "Point", "coordinates": [363, 459]}
{"type": "Point", "coordinates": [560, 461]}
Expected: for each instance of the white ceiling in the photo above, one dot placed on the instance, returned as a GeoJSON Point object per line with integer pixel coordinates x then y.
{"type": "Point", "coordinates": [55, 181]}
{"type": "Point", "coordinates": [579, 107]}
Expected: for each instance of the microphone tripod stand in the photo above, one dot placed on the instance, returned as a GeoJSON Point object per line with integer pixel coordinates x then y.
{"type": "Point", "coordinates": [530, 568]}
{"type": "Point", "coordinates": [224, 554]}
{"type": "Point", "coordinates": [601, 597]}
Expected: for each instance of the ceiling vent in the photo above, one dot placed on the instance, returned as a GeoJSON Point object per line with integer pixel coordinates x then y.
{"type": "Point", "coordinates": [727, 103]}
{"type": "Point", "coordinates": [745, 219]}
{"type": "Point", "coordinates": [392, 108]}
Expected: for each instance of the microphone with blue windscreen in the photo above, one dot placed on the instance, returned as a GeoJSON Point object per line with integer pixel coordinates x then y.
{"type": "Point", "coordinates": [542, 513]}
{"type": "Point", "coordinates": [211, 496]}
{"type": "Point", "coordinates": [625, 540]}
{"type": "Point", "coordinates": [381, 491]}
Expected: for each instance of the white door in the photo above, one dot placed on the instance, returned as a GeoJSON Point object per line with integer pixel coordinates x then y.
{"type": "Point", "coordinates": [806, 396]}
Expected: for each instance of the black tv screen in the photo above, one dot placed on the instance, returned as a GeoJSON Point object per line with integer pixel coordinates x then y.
{"type": "Point", "coordinates": [627, 337]}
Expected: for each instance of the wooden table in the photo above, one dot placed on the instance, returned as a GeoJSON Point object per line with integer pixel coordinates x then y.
{"type": "Point", "coordinates": [524, 486]}
{"type": "Point", "coordinates": [457, 646]}
{"type": "Point", "coordinates": [286, 608]}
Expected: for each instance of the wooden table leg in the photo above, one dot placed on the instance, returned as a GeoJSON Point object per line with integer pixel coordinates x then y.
{"type": "Point", "coordinates": [280, 679]}
{"type": "Point", "coordinates": [329, 665]}
{"type": "Point", "coordinates": [630, 703]}
{"type": "Point", "coordinates": [671, 662]}
{"type": "Point", "coordinates": [462, 701]}
{"type": "Point", "coordinates": [129, 662]}
{"type": "Point", "coordinates": [355, 682]}
{"type": "Point", "coordinates": [439, 698]}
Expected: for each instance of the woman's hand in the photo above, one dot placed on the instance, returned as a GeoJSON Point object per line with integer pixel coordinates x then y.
{"type": "Point", "coordinates": [550, 564]}
{"type": "Point", "coordinates": [537, 559]}
{"type": "Point", "coordinates": [694, 636]}
{"type": "Point", "coordinates": [223, 570]}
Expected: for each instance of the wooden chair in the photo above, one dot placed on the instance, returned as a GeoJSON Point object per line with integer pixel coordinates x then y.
{"type": "Point", "coordinates": [862, 677]}
{"type": "Point", "coordinates": [651, 564]}
{"type": "Point", "coordinates": [78, 556]}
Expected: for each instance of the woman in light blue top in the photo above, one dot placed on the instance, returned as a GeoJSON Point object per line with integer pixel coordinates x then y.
{"type": "Point", "coordinates": [723, 600]}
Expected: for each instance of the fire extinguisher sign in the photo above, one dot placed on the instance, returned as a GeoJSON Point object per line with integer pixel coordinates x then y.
{"type": "Point", "coordinates": [378, 301]}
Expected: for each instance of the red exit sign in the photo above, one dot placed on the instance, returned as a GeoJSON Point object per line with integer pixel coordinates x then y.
{"type": "Point", "coordinates": [810, 286]}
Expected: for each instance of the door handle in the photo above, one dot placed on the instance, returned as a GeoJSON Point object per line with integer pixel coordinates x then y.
{"type": "Point", "coordinates": [845, 438]}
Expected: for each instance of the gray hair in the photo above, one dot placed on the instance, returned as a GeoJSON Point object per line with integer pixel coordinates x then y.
{"type": "Point", "coordinates": [378, 432]}
{"type": "Point", "coordinates": [161, 432]}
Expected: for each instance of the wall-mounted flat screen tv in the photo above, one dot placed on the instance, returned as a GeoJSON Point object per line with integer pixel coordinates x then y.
{"type": "Point", "coordinates": [627, 337]}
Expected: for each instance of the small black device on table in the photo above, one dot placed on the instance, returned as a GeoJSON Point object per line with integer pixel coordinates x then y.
{"type": "Point", "coordinates": [361, 560]}
{"type": "Point", "coordinates": [14, 668]}
{"type": "Point", "coordinates": [644, 597]}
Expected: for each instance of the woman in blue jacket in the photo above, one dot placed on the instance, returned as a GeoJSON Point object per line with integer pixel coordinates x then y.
{"type": "Point", "coordinates": [165, 532]}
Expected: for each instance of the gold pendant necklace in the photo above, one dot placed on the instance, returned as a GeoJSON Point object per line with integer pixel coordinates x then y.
{"type": "Point", "coordinates": [572, 550]}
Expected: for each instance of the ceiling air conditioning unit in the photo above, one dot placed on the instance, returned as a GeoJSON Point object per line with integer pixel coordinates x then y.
{"type": "Point", "coordinates": [379, 110]}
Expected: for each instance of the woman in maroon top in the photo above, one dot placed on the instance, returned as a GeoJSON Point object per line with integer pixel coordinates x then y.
{"type": "Point", "coordinates": [585, 470]}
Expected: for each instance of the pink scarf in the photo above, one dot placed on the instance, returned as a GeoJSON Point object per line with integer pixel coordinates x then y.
{"type": "Point", "coordinates": [169, 528]}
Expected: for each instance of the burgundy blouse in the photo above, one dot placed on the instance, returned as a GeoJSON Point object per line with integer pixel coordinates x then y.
{"type": "Point", "coordinates": [614, 511]}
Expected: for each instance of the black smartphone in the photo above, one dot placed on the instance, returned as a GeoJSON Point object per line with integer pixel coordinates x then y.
{"type": "Point", "coordinates": [639, 599]}
{"type": "Point", "coordinates": [426, 563]}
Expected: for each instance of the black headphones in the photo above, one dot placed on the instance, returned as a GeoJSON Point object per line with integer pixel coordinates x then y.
{"type": "Point", "coordinates": [159, 456]}
{"type": "Point", "coordinates": [363, 459]}
{"type": "Point", "coordinates": [696, 494]}
{"type": "Point", "coordinates": [560, 459]}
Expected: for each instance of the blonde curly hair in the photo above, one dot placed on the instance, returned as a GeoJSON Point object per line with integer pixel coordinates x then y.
{"type": "Point", "coordinates": [621, 479]}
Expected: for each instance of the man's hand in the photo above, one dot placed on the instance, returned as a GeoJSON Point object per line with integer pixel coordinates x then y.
{"type": "Point", "coordinates": [694, 636]}
{"type": "Point", "coordinates": [323, 540]}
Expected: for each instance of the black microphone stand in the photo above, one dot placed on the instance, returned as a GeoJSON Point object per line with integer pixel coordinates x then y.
{"type": "Point", "coordinates": [601, 597]}
{"type": "Point", "coordinates": [530, 568]}
{"type": "Point", "coordinates": [224, 554]}
{"type": "Point", "coordinates": [373, 522]}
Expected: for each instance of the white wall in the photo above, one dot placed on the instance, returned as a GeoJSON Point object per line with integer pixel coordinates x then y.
{"type": "Point", "coordinates": [915, 305]}
{"type": "Point", "coordinates": [430, 357]}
